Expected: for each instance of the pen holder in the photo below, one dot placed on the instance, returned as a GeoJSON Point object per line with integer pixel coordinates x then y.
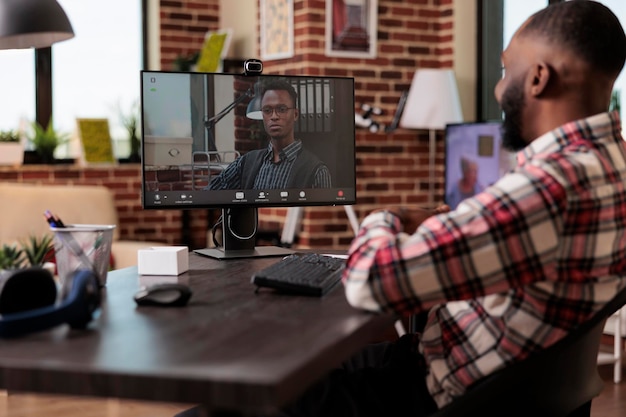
{"type": "Point", "coordinates": [83, 246]}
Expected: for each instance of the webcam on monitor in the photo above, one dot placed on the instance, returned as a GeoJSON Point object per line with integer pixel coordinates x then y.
{"type": "Point", "coordinates": [252, 67]}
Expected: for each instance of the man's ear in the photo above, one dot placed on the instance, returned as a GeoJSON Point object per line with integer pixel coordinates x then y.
{"type": "Point", "coordinates": [540, 78]}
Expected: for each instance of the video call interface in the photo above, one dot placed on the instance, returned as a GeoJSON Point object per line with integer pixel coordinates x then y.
{"type": "Point", "coordinates": [195, 126]}
{"type": "Point", "coordinates": [475, 159]}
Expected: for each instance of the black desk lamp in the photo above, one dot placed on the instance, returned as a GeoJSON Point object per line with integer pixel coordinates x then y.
{"type": "Point", "coordinates": [210, 122]}
{"type": "Point", "coordinates": [32, 24]}
{"type": "Point", "coordinates": [253, 111]}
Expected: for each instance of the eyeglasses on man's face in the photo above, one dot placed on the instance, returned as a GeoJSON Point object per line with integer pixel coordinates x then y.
{"type": "Point", "coordinates": [280, 110]}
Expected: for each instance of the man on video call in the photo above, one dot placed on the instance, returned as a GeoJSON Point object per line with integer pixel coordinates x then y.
{"type": "Point", "coordinates": [467, 185]}
{"type": "Point", "coordinates": [284, 163]}
{"type": "Point", "coordinates": [516, 267]}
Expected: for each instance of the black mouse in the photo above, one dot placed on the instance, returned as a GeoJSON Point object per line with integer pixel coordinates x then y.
{"type": "Point", "coordinates": [164, 295]}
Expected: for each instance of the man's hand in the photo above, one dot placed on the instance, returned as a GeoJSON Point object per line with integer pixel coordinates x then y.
{"type": "Point", "coordinates": [412, 217]}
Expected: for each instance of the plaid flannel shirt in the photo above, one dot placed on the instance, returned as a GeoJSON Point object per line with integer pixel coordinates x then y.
{"type": "Point", "coordinates": [512, 269]}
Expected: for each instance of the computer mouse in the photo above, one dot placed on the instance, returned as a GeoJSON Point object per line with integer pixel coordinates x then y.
{"type": "Point", "coordinates": [164, 295]}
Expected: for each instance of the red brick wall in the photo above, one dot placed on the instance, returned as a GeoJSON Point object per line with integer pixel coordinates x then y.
{"type": "Point", "coordinates": [183, 26]}
{"type": "Point", "coordinates": [411, 34]}
{"type": "Point", "coordinates": [392, 168]}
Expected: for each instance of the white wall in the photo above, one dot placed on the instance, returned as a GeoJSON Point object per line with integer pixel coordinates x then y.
{"type": "Point", "coordinates": [241, 16]}
{"type": "Point", "coordinates": [465, 50]}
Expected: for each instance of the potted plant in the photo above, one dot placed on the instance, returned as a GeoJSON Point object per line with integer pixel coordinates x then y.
{"type": "Point", "coordinates": [46, 140]}
{"type": "Point", "coordinates": [36, 251]}
{"type": "Point", "coordinates": [11, 151]}
{"type": "Point", "coordinates": [11, 257]}
{"type": "Point", "coordinates": [130, 122]}
{"type": "Point", "coordinates": [21, 266]}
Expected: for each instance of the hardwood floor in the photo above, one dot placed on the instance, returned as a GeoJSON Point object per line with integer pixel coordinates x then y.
{"type": "Point", "coordinates": [610, 403]}
{"type": "Point", "coordinates": [612, 399]}
{"type": "Point", "coordinates": [28, 405]}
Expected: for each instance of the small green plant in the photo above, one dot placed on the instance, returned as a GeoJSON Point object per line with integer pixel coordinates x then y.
{"type": "Point", "coordinates": [615, 104]}
{"type": "Point", "coordinates": [11, 257]}
{"type": "Point", "coordinates": [33, 252]}
{"type": "Point", "coordinates": [47, 140]}
{"type": "Point", "coordinates": [9, 136]}
{"type": "Point", "coordinates": [185, 63]}
{"type": "Point", "coordinates": [37, 249]}
{"type": "Point", "coordinates": [130, 121]}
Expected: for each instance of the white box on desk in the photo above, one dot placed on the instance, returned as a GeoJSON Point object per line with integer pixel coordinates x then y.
{"type": "Point", "coordinates": [162, 150]}
{"type": "Point", "coordinates": [163, 260]}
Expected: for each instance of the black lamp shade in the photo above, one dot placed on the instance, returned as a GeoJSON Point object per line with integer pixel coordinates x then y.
{"type": "Point", "coordinates": [32, 24]}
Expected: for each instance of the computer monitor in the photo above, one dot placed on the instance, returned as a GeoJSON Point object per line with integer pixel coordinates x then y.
{"type": "Point", "coordinates": [474, 160]}
{"type": "Point", "coordinates": [206, 138]}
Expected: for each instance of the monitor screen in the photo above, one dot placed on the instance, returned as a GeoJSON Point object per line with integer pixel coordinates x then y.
{"type": "Point", "coordinates": [234, 141]}
{"type": "Point", "coordinates": [474, 160]}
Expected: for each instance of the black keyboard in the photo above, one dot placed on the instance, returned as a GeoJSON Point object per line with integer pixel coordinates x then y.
{"type": "Point", "coordinates": [302, 273]}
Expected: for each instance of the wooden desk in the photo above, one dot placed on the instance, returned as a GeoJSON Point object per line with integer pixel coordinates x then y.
{"type": "Point", "coordinates": [229, 349]}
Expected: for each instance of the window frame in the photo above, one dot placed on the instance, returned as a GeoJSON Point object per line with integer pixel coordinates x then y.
{"type": "Point", "coordinates": [43, 71]}
{"type": "Point", "coordinates": [490, 44]}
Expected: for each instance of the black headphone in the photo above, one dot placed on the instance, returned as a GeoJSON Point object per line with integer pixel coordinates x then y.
{"type": "Point", "coordinates": [28, 301]}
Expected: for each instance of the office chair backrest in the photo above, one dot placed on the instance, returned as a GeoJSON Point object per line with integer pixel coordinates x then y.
{"type": "Point", "coordinates": [558, 381]}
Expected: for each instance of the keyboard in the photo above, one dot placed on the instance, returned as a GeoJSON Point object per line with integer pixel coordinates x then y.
{"type": "Point", "coordinates": [302, 274]}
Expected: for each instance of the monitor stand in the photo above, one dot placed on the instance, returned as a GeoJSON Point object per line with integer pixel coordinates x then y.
{"type": "Point", "coordinates": [239, 227]}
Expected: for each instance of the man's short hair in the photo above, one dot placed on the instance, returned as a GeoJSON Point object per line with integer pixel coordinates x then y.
{"type": "Point", "coordinates": [280, 84]}
{"type": "Point", "coordinates": [586, 28]}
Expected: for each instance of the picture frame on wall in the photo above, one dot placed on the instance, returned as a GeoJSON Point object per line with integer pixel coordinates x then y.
{"type": "Point", "coordinates": [95, 138]}
{"type": "Point", "coordinates": [351, 28]}
{"type": "Point", "coordinates": [214, 50]}
{"type": "Point", "coordinates": [277, 32]}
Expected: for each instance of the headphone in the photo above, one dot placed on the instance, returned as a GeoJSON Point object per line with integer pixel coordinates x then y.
{"type": "Point", "coordinates": [28, 301]}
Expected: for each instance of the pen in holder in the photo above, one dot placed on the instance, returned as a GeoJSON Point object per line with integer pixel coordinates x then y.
{"type": "Point", "coordinates": [83, 246]}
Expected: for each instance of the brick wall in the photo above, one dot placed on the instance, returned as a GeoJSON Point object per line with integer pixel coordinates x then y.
{"type": "Point", "coordinates": [183, 26]}
{"type": "Point", "coordinates": [392, 168]}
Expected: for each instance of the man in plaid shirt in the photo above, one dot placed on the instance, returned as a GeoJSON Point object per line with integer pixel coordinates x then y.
{"type": "Point", "coordinates": [515, 268]}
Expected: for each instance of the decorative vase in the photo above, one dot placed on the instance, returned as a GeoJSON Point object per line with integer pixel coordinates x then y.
{"type": "Point", "coordinates": [11, 153]}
